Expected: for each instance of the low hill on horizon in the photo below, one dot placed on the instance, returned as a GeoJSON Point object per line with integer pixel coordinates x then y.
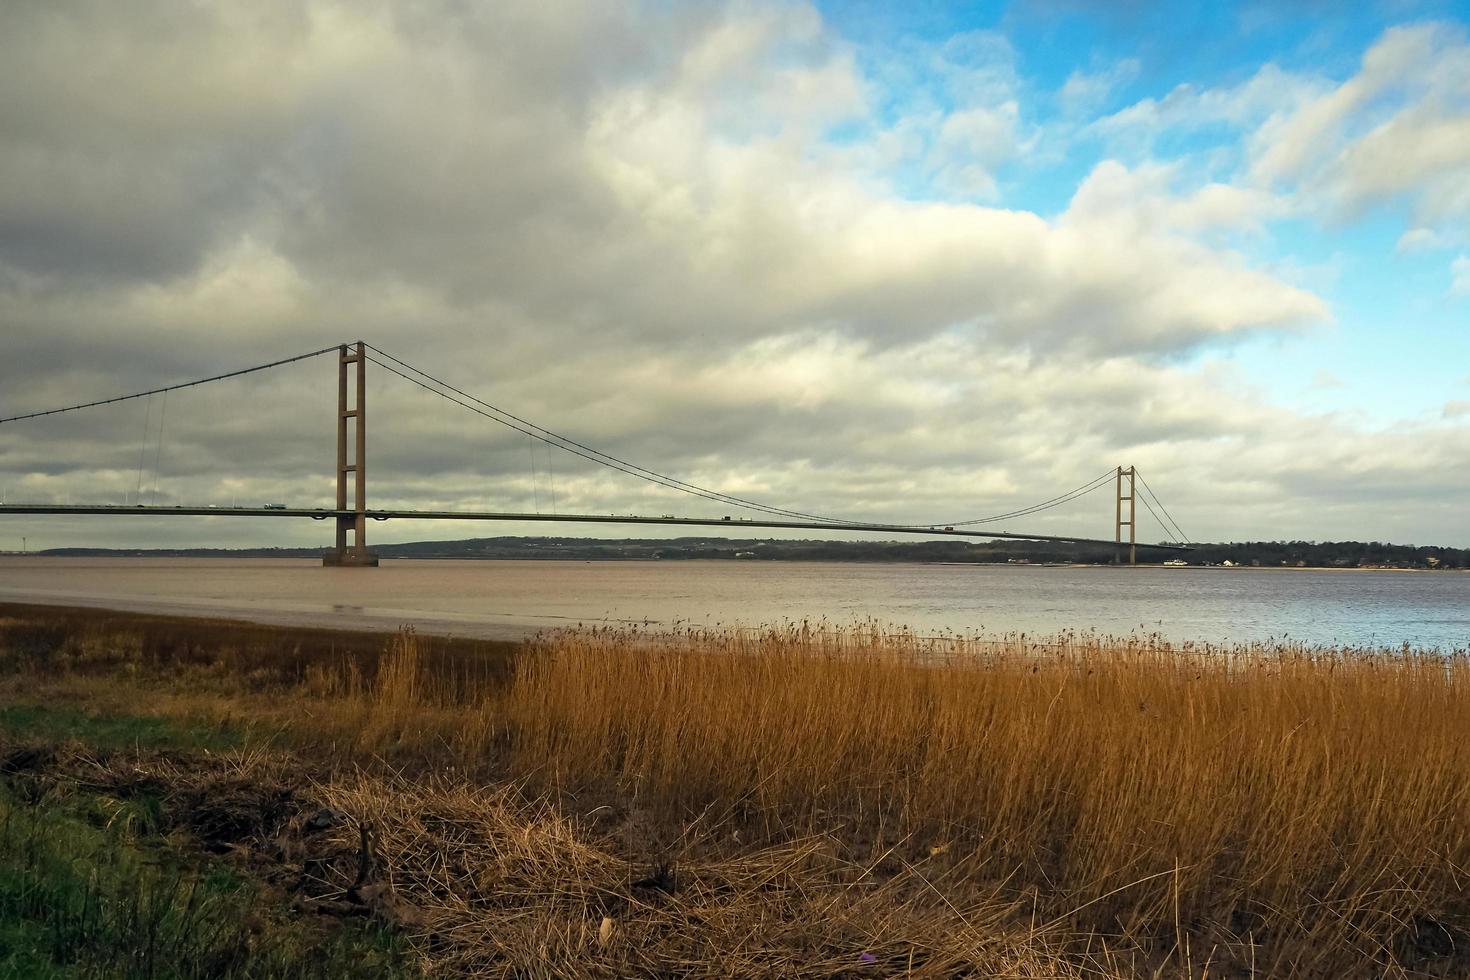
{"type": "Point", "coordinates": [1311, 554]}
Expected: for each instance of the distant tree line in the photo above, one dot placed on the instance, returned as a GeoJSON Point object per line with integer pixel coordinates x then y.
{"type": "Point", "coordinates": [1330, 554]}
{"type": "Point", "coordinates": [1309, 554]}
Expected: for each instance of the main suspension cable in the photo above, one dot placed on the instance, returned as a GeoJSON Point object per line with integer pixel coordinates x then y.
{"type": "Point", "coordinates": [155, 391]}
{"type": "Point", "coordinates": [1177, 529]}
{"type": "Point", "coordinates": [605, 459]}
{"type": "Point", "coordinates": [587, 452]}
{"type": "Point", "coordinates": [1162, 526]}
{"type": "Point", "coordinates": [592, 456]}
{"type": "Point", "coordinates": [1056, 501]}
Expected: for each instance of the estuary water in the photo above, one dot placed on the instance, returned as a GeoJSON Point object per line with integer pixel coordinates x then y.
{"type": "Point", "coordinates": [508, 599]}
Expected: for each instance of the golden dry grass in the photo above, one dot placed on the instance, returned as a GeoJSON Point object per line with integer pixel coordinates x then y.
{"type": "Point", "coordinates": [1083, 805]}
{"type": "Point", "coordinates": [485, 883]}
{"type": "Point", "coordinates": [1305, 810]}
{"type": "Point", "coordinates": [505, 887]}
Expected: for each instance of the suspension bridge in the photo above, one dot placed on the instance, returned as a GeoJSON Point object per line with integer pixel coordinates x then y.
{"type": "Point", "coordinates": [351, 514]}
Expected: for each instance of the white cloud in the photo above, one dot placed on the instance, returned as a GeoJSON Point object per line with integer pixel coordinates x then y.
{"type": "Point", "coordinates": [1086, 92]}
{"type": "Point", "coordinates": [949, 110]}
{"type": "Point", "coordinates": [1419, 240]}
{"type": "Point", "coordinates": [1460, 276]}
{"type": "Point", "coordinates": [977, 68]}
{"type": "Point", "coordinates": [1398, 128]}
{"type": "Point", "coordinates": [1271, 91]}
{"type": "Point", "coordinates": [1324, 380]}
{"type": "Point", "coordinates": [1144, 199]}
{"type": "Point", "coordinates": [971, 144]}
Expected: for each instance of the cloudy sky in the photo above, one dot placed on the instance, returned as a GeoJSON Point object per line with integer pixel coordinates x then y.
{"type": "Point", "coordinates": [904, 262]}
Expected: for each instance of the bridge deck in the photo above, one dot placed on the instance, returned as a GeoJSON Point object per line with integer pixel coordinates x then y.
{"type": "Point", "coordinates": [729, 524]}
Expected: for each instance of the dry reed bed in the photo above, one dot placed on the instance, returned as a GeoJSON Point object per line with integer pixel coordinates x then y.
{"type": "Point", "coordinates": [1270, 809]}
{"type": "Point", "coordinates": [50, 641]}
{"type": "Point", "coordinates": [1305, 809]}
{"type": "Point", "coordinates": [505, 887]}
{"type": "Point", "coordinates": [489, 884]}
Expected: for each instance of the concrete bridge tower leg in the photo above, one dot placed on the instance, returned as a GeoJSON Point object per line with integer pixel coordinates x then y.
{"type": "Point", "coordinates": [355, 554]}
{"type": "Point", "coordinates": [1119, 523]}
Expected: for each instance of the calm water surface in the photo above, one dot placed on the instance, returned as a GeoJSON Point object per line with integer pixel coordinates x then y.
{"type": "Point", "coordinates": [514, 598]}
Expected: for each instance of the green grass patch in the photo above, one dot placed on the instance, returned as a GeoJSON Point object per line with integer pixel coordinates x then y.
{"type": "Point", "coordinates": [82, 899]}
{"type": "Point", "coordinates": [112, 731]}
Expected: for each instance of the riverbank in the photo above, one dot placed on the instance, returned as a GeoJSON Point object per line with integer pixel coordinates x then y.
{"type": "Point", "coordinates": [796, 801]}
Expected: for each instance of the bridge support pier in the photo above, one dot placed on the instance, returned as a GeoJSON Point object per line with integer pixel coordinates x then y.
{"type": "Point", "coordinates": [1130, 524]}
{"type": "Point", "coordinates": [355, 524]}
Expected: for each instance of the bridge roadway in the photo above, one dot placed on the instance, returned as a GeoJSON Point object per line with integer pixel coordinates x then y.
{"type": "Point", "coordinates": [728, 523]}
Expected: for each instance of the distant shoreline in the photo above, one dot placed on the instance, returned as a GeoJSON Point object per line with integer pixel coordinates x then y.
{"type": "Point", "coordinates": [294, 555]}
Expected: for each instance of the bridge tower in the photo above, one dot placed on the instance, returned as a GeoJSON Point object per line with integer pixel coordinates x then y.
{"type": "Point", "coordinates": [1119, 523]}
{"type": "Point", "coordinates": [356, 522]}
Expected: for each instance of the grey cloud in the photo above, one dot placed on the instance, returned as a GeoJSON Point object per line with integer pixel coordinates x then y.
{"type": "Point", "coordinates": [452, 159]}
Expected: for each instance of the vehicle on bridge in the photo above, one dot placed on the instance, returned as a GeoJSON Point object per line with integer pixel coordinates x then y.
{"type": "Point", "coordinates": [274, 507]}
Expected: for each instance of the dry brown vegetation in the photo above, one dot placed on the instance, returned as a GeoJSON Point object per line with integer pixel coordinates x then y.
{"type": "Point", "coordinates": [863, 801]}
